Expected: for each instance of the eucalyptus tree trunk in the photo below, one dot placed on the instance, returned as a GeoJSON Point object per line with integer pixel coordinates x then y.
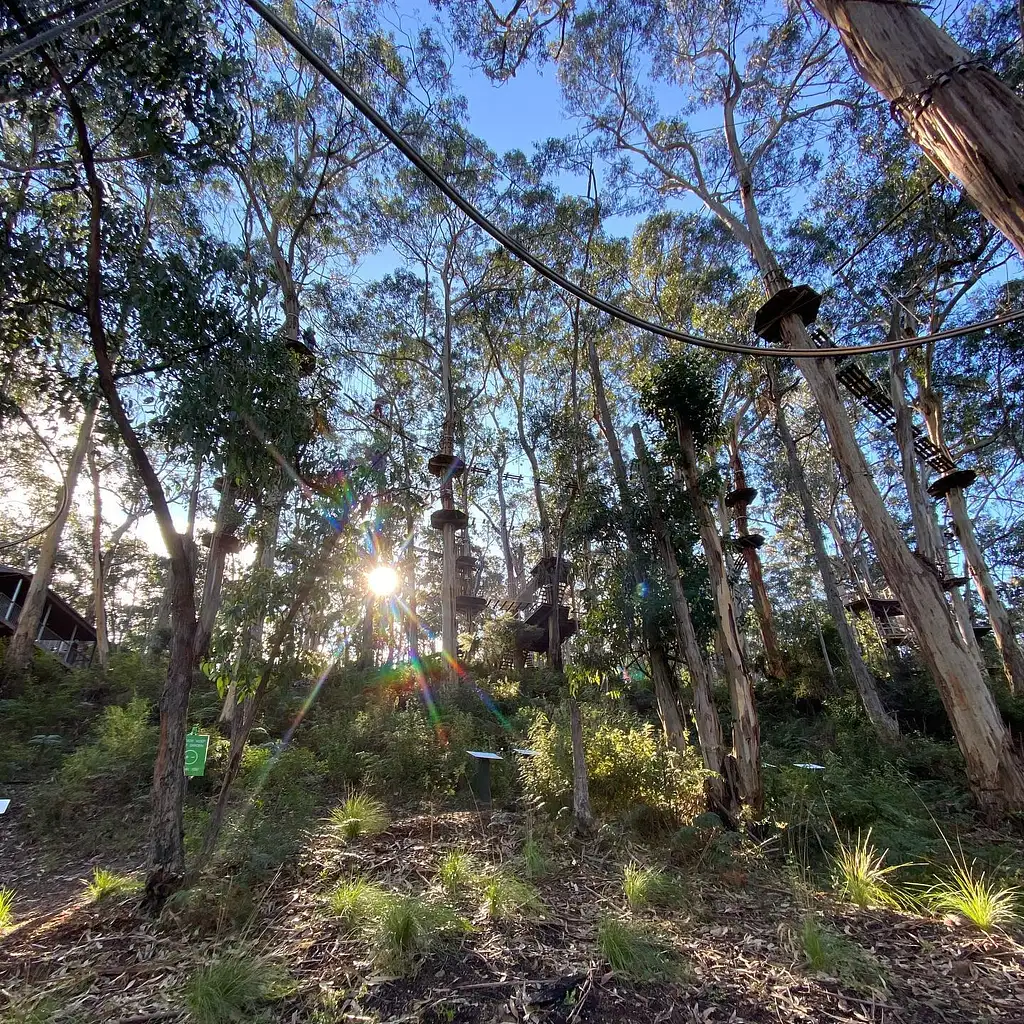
{"type": "Point", "coordinates": [581, 811]}
{"type": "Point", "coordinates": [884, 724]}
{"type": "Point", "coordinates": [22, 644]}
{"type": "Point", "coordinates": [993, 767]}
{"type": "Point", "coordinates": [755, 571]}
{"type": "Point", "coordinates": [977, 565]}
{"type": "Point", "coordinates": [723, 795]}
{"type": "Point", "coordinates": [926, 529]}
{"type": "Point", "coordinates": [746, 732]}
{"type": "Point", "coordinates": [998, 615]}
{"type": "Point", "coordinates": [99, 583]}
{"type": "Point", "coordinates": [968, 122]}
{"type": "Point", "coordinates": [666, 689]}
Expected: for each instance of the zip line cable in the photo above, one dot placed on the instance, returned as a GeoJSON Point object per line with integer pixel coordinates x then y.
{"type": "Point", "coordinates": [521, 252]}
{"type": "Point", "coordinates": [42, 38]}
{"type": "Point", "coordinates": [500, 236]}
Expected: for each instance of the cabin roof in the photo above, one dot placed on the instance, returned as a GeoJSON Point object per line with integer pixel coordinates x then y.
{"type": "Point", "coordinates": [85, 629]}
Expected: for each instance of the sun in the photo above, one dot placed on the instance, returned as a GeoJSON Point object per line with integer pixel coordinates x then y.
{"type": "Point", "coordinates": [382, 580]}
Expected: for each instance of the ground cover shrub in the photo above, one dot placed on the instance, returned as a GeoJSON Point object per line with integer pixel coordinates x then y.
{"type": "Point", "coordinates": [278, 797]}
{"type": "Point", "coordinates": [105, 883]}
{"type": "Point", "coordinates": [113, 769]}
{"type": "Point", "coordinates": [627, 760]}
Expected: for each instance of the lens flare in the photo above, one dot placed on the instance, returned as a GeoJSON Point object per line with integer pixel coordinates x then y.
{"type": "Point", "coordinates": [382, 580]}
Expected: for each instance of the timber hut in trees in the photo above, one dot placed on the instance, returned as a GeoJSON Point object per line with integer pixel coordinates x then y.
{"type": "Point", "coordinates": [62, 631]}
{"type": "Point", "coordinates": [542, 597]}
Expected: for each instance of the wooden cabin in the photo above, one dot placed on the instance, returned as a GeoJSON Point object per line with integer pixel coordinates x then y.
{"type": "Point", "coordinates": [62, 631]}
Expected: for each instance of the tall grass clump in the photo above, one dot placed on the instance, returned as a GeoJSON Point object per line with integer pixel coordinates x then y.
{"type": "Point", "coordinates": [631, 952]}
{"type": "Point", "coordinates": [231, 988]}
{"type": "Point", "coordinates": [458, 871]}
{"type": "Point", "coordinates": [966, 891]}
{"type": "Point", "coordinates": [861, 876]}
{"type": "Point", "coordinates": [505, 896]}
{"type": "Point", "coordinates": [6, 908]}
{"type": "Point", "coordinates": [353, 901]}
{"type": "Point", "coordinates": [829, 953]}
{"type": "Point", "coordinates": [645, 887]}
{"type": "Point", "coordinates": [106, 883]}
{"type": "Point", "coordinates": [360, 815]}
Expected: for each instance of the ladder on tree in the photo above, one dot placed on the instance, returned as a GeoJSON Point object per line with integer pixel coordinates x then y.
{"type": "Point", "coordinates": [877, 401]}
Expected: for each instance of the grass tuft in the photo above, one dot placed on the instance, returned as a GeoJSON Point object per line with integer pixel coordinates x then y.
{"type": "Point", "coordinates": [353, 901]}
{"type": "Point", "coordinates": [631, 952]}
{"type": "Point", "coordinates": [405, 926]}
{"type": "Point", "coordinates": [360, 815]}
{"type": "Point", "coordinates": [536, 862]}
{"type": "Point", "coordinates": [106, 883]}
{"type": "Point", "coordinates": [6, 908]}
{"type": "Point", "coordinates": [231, 988]}
{"type": "Point", "coordinates": [505, 896]}
{"type": "Point", "coordinates": [828, 953]}
{"type": "Point", "coordinates": [985, 902]}
{"type": "Point", "coordinates": [860, 874]}
{"type": "Point", "coordinates": [457, 871]}
{"type": "Point", "coordinates": [649, 887]}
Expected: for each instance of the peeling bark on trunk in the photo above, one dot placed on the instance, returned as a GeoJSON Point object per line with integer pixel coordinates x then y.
{"type": "Point", "coordinates": [22, 645]}
{"type": "Point", "coordinates": [722, 793]}
{"type": "Point", "coordinates": [746, 732]}
{"type": "Point", "coordinates": [993, 768]}
{"type": "Point", "coordinates": [884, 724]}
{"type": "Point", "coordinates": [968, 122]}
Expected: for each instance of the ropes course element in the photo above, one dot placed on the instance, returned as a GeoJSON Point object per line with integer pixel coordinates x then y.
{"type": "Point", "coordinates": [51, 34]}
{"type": "Point", "coordinates": [549, 273]}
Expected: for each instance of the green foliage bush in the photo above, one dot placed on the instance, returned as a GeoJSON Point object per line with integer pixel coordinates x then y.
{"type": "Point", "coordinates": [627, 761]}
{"type": "Point", "coordinates": [114, 769]}
{"type": "Point", "coordinates": [278, 800]}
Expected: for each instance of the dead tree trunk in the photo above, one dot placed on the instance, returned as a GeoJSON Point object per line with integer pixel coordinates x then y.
{"type": "Point", "coordinates": [884, 724]}
{"type": "Point", "coordinates": [746, 732]}
{"type": "Point", "coordinates": [762, 605]}
{"type": "Point", "coordinates": [993, 768]}
{"type": "Point", "coordinates": [967, 121]}
{"type": "Point", "coordinates": [22, 644]}
{"type": "Point", "coordinates": [723, 795]}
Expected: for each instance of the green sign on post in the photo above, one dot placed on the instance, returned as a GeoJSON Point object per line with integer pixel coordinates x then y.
{"type": "Point", "coordinates": [195, 753]}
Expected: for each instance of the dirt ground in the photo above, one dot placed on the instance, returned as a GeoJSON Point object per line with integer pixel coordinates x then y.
{"type": "Point", "coordinates": [733, 933]}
